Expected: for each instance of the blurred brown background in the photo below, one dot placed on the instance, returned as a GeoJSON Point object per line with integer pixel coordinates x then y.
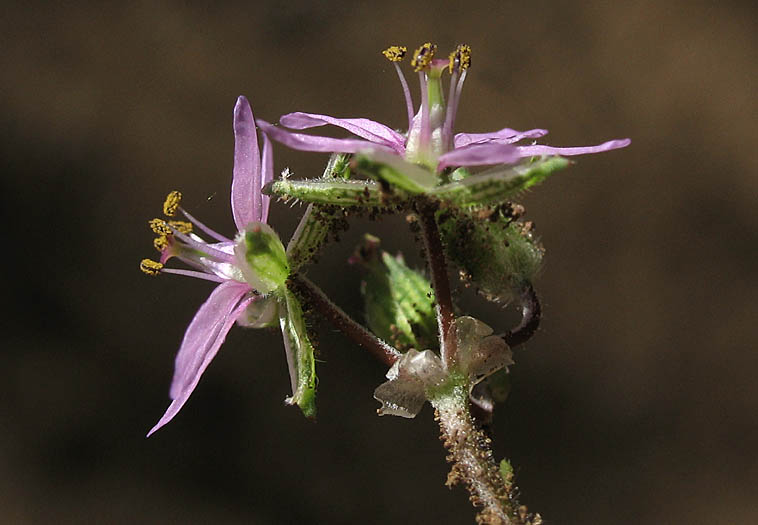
{"type": "Point", "coordinates": [635, 403]}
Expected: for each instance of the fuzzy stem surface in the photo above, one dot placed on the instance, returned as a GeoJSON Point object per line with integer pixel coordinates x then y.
{"type": "Point", "coordinates": [473, 464]}
{"type": "Point", "coordinates": [316, 297]}
{"type": "Point", "coordinates": [435, 255]}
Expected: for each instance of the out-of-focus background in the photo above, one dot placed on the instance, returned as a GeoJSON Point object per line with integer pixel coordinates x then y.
{"type": "Point", "coordinates": [635, 403]}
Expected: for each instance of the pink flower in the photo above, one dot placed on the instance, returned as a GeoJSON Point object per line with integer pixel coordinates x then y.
{"type": "Point", "coordinates": [429, 145]}
{"type": "Point", "coordinates": [242, 293]}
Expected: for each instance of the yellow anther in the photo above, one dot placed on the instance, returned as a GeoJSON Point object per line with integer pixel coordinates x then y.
{"type": "Point", "coordinates": [181, 226]}
{"type": "Point", "coordinates": [460, 59]}
{"type": "Point", "coordinates": [171, 204]}
{"type": "Point", "coordinates": [160, 227]}
{"type": "Point", "coordinates": [395, 53]}
{"type": "Point", "coordinates": [150, 267]}
{"type": "Point", "coordinates": [423, 56]}
{"type": "Point", "coordinates": [160, 243]}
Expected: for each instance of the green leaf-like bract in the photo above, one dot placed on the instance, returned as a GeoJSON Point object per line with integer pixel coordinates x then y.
{"type": "Point", "coordinates": [399, 300]}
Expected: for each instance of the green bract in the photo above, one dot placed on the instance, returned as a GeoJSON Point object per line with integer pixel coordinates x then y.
{"type": "Point", "coordinates": [399, 300]}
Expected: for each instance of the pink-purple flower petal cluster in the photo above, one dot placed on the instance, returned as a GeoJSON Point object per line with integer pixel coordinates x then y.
{"type": "Point", "coordinates": [216, 261]}
{"type": "Point", "coordinates": [429, 139]}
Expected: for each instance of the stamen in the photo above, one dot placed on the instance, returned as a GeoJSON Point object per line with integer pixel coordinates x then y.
{"type": "Point", "coordinates": [159, 227]}
{"type": "Point", "coordinates": [181, 226]}
{"type": "Point", "coordinates": [150, 267]}
{"type": "Point", "coordinates": [204, 247]}
{"type": "Point", "coordinates": [395, 53]}
{"type": "Point", "coordinates": [460, 59]}
{"type": "Point", "coordinates": [171, 204]}
{"type": "Point", "coordinates": [160, 243]}
{"type": "Point", "coordinates": [205, 228]}
{"type": "Point", "coordinates": [423, 56]}
{"type": "Point", "coordinates": [197, 275]}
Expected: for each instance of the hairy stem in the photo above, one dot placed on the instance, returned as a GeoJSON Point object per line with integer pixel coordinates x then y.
{"type": "Point", "coordinates": [386, 353]}
{"type": "Point", "coordinates": [531, 313]}
{"type": "Point", "coordinates": [473, 464]}
{"type": "Point", "coordinates": [435, 256]}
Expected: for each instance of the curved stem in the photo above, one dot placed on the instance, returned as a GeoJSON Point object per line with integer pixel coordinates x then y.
{"type": "Point", "coordinates": [386, 353]}
{"type": "Point", "coordinates": [435, 255]}
{"type": "Point", "coordinates": [531, 313]}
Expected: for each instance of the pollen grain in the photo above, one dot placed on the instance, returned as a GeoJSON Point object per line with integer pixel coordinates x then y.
{"type": "Point", "coordinates": [395, 53]}
{"type": "Point", "coordinates": [423, 56]}
{"type": "Point", "coordinates": [460, 59]}
{"type": "Point", "coordinates": [160, 243]}
{"type": "Point", "coordinates": [159, 226]}
{"type": "Point", "coordinates": [181, 226]}
{"type": "Point", "coordinates": [171, 204]}
{"type": "Point", "coordinates": [150, 267]}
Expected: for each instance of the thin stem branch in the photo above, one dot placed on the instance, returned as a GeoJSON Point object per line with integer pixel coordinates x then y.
{"type": "Point", "coordinates": [386, 353]}
{"type": "Point", "coordinates": [435, 256]}
{"type": "Point", "coordinates": [531, 313]}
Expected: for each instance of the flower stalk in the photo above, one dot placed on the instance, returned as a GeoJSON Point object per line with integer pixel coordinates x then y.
{"type": "Point", "coordinates": [435, 256]}
{"type": "Point", "coordinates": [470, 454]}
{"type": "Point", "coordinates": [343, 322]}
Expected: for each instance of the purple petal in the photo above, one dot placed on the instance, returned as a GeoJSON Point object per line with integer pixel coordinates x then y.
{"type": "Point", "coordinates": [503, 136]}
{"type": "Point", "coordinates": [303, 142]}
{"type": "Point", "coordinates": [539, 149]}
{"type": "Point", "coordinates": [479, 155]}
{"type": "Point", "coordinates": [201, 342]}
{"type": "Point", "coordinates": [268, 176]}
{"type": "Point", "coordinates": [246, 181]}
{"type": "Point", "coordinates": [364, 128]}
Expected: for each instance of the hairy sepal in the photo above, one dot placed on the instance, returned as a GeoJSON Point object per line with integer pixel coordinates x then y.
{"type": "Point", "coordinates": [496, 253]}
{"type": "Point", "coordinates": [499, 184]}
{"type": "Point", "coordinates": [300, 354]}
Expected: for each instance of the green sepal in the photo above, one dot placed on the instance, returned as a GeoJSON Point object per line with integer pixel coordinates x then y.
{"type": "Point", "coordinates": [334, 191]}
{"type": "Point", "coordinates": [338, 166]}
{"type": "Point", "coordinates": [396, 179]}
{"type": "Point", "coordinates": [265, 265]}
{"type": "Point", "coordinates": [398, 300]}
{"type": "Point", "coordinates": [498, 185]}
{"type": "Point", "coordinates": [300, 358]}
{"type": "Point", "coordinates": [495, 252]}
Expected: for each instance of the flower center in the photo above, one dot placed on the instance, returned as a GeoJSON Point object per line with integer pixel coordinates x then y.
{"type": "Point", "coordinates": [430, 131]}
